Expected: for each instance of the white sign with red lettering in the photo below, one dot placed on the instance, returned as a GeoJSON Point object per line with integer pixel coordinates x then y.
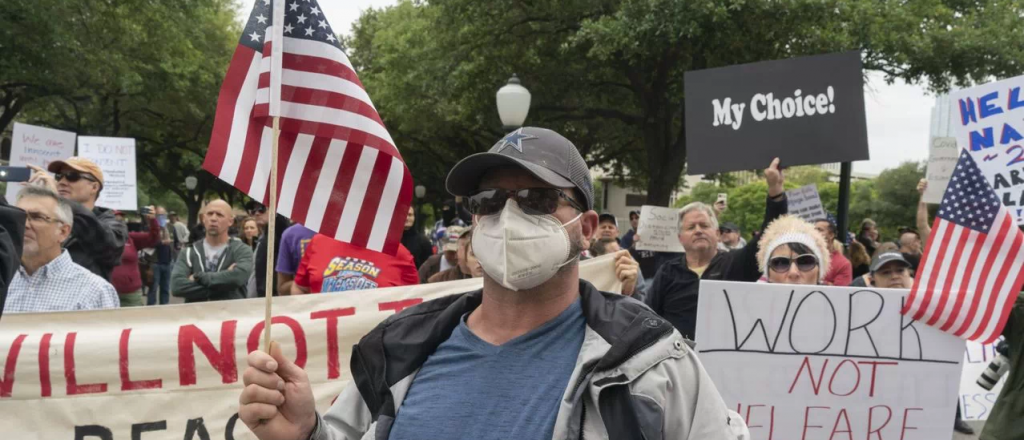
{"type": "Point", "coordinates": [173, 372]}
{"type": "Point", "coordinates": [32, 145]}
{"type": "Point", "coordinates": [819, 362]}
{"type": "Point", "coordinates": [116, 157]}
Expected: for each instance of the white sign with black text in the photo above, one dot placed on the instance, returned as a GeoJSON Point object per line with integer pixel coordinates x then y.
{"type": "Point", "coordinates": [658, 229]}
{"type": "Point", "coordinates": [821, 362]}
{"type": "Point", "coordinates": [32, 145]}
{"type": "Point", "coordinates": [941, 161]}
{"type": "Point", "coordinates": [804, 202]}
{"type": "Point", "coordinates": [116, 157]}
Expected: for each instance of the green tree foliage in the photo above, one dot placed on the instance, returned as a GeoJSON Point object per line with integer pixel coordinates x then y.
{"type": "Point", "coordinates": [150, 70]}
{"type": "Point", "coordinates": [609, 73]}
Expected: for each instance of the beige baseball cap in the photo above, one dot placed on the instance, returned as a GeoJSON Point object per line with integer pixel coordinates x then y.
{"type": "Point", "coordinates": [80, 164]}
{"type": "Point", "coordinates": [451, 238]}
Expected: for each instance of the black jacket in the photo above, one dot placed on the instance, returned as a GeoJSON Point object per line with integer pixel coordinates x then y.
{"type": "Point", "coordinates": [97, 239]}
{"type": "Point", "coordinates": [12, 236]}
{"type": "Point", "coordinates": [417, 244]}
{"type": "Point", "coordinates": [260, 267]}
{"type": "Point", "coordinates": [674, 290]}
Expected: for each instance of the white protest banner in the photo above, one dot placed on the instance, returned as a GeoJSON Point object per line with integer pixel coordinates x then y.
{"type": "Point", "coordinates": [658, 229]}
{"type": "Point", "coordinates": [941, 161]}
{"type": "Point", "coordinates": [116, 157]}
{"type": "Point", "coordinates": [819, 362]}
{"type": "Point", "coordinates": [32, 145]}
{"type": "Point", "coordinates": [976, 402]}
{"type": "Point", "coordinates": [804, 202]}
{"type": "Point", "coordinates": [989, 121]}
{"type": "Point", "coordinates": [173, 372]}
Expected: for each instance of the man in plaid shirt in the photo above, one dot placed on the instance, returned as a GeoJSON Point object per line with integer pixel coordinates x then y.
{"type": "Point", "coordinates": [48, 280]}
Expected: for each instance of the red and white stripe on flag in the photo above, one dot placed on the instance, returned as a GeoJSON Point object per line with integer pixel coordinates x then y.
{"type": "Point", "coordinates": [970, 274]}
{"type": "Point", "coordinates": [339, 172]}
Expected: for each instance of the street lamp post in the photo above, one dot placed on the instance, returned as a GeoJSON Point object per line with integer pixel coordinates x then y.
{"type": "Point", "coordinates": [513, 103]}
{"type": "Point", "coordinates": [420, 192]}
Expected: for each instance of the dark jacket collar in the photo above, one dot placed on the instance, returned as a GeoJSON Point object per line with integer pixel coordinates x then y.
{"type": "Point", "coordinates": [400, 345]}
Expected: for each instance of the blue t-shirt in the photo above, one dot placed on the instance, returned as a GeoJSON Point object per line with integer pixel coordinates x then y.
{"type": "Point", "coordinates": [470, 389]}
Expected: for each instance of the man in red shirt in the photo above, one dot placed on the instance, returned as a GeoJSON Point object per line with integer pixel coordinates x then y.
{"type": "Point", "coordinates": [840, 271]}
{"type": "Point", "coordinates": [333, 266]}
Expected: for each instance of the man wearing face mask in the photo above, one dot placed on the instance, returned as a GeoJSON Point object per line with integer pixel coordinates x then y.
{"type": "Point", "coordinates": [538, 353]}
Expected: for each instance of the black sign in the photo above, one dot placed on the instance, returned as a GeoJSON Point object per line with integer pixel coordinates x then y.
{"type": "Point", "coordinates": [803, 110]}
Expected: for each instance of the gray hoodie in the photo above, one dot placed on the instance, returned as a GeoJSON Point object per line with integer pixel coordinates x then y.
{"type": "Point", "coordinates": [226, 282]}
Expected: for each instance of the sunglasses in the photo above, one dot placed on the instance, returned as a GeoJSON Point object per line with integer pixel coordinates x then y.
{"type": "Point", "coordinates": [533, 201]}
{"type": "Point", "coordinates": [805, 263]}
{"type": "Point", "coordinates": [74, 176]}
{"type": "Point", "coordinates": [259, 210]}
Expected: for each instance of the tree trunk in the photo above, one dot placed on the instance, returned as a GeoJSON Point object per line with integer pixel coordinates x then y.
{"type": "Point", "coordinates": [666, 158]}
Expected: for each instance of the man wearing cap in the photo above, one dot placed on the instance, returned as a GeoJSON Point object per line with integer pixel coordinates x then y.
{"type": "Point", "coordinates": [889, 270]}
{"type": "Point", "coordinates": [731, 239]}
{"type": "Point", "coordinates": [537, 353]}
{"type": "Point", "coordinates": [97, 240]}
{"type": "Point", "coordinates": [447, 258]}
{"type": "Point", "coordinates": [608, 227]}
{"type": "Point", "coordinates": [674, 289]}
{"type": "Point", "coordinates": [259, 212]}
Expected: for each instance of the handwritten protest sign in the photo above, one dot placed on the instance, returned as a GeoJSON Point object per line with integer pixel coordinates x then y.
{"type": "Point", "coordinates": [116, 157]}
{"type": "Point", "coordinates": [976, 402]}
{"type": "Point", "coordinates": [988, 121]}
{"type": "Point", "coordinates": [32, 145]}
{"type": "Point", "coordinates": [804, 202]}
{"type": "Point", "coordinates": [941, 161]}
{"type": "Point", "coordinates": [807, 110]}
{"type": "Point", "coordinates": [174, 372]}
{"type": "Point", "coordinates": [827, 362]}
{"type": "Point", "coordinates": [658, 229]}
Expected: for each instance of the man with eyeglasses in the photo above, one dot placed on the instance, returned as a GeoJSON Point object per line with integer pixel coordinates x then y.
{"type": "Point", "coordinates": [48, 280]}
{"type": "Point", "coordinates": [97, 240]}
{"type": "Point", "coordinates": [537, 353]}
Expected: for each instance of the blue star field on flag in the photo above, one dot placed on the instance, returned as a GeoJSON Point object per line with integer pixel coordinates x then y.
{"type": "Point", "coordinates": [969, 200]}
{"type": "Point", "coordinates": [302, 19]}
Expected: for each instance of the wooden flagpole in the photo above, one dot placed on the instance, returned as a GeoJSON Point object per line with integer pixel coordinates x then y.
{"type": "Point", "coordinates": [271, 235]}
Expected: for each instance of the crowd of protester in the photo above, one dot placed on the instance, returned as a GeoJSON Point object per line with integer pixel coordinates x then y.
{"type": "Point", "coordinates": [59, 251]}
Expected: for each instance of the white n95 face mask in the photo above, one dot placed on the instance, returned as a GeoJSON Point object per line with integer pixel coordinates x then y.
{"type": "Point", "coordinates": [519, 250]}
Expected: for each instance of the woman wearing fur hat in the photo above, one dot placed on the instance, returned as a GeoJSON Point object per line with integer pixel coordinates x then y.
{"type": "Point", "coordinates": [793, 252]}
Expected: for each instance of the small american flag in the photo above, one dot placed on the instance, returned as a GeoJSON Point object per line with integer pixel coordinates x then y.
{"type": "Point", "coordinates": [339, 172]}
{"type": "Point", "coordinates": [970, 274]}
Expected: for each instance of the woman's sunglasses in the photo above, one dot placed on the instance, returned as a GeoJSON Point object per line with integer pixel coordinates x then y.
{"type": "Point", "coordinates": [533, 201]}
{"type": "Point", "coordinates": [805, 263]}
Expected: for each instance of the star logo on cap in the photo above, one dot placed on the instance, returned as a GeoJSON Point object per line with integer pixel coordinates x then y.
{"type": "Point", "coordinates": [515, 139]}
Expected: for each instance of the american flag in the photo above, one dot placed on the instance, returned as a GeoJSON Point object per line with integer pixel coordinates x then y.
{"type": "Point", "coordinates": [970, 274]}
{"type": "Point", "coordinates": [339, 172]}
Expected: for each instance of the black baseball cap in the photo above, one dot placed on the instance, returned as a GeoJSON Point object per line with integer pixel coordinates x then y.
{"type": "Point", "coordinates": [544, 153]}
{"type": "Point", "coordinates": [886, 258]}
{"type": "Point", "coordinates": [607, 216]}
{"type": "Point", "coordinates": [729, 226]}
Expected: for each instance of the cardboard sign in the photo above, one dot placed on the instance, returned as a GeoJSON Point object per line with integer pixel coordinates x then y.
{"type": "Point", "coordinates": [941, 161]}
{"type": "Point", "coordinates": [976, 402]}
{"type": "Point", "coordinates": [988, 121]}
{"type": "Point", "coordinates": [803, 110]}
{"type": "Point", "coordinates": [116, 157]}
{"type": "Point", "coordinates": [32, 145]}
{"type": "Point", "coordinates": [827, 362]}
{"type": "Point", "coordinates": [804, 202]}
{"type": "Point", "coordinates": [174, 372]}
{"type": "Point", "coordinates": [658, 229]}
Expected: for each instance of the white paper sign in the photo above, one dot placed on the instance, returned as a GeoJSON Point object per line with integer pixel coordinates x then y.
{"type": "Point", "coordinates": [32, 145]}
{"type": "Point", "coordinates": [804, 202]}
{"type": "Point", "coordinates": [976, 402]}
{"type": "Point", "coordinates": [941, 161]}
{"type": "Point", "coordinates": [116, 157]}
{"type": "Point", "coordinates": [658, 229]}
{"type": "Point", "coordinates": [989, 122]}
{"type": "Point", "coordinates": [827, 362]}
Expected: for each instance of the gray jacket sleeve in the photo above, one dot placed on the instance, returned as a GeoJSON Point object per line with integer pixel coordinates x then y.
{"type": "Point", "coordinates": [348, 418]}
{"type": "Point", "coordinates": [183, 287]}
{"type": "Point", "coordinates": [241, 257]}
